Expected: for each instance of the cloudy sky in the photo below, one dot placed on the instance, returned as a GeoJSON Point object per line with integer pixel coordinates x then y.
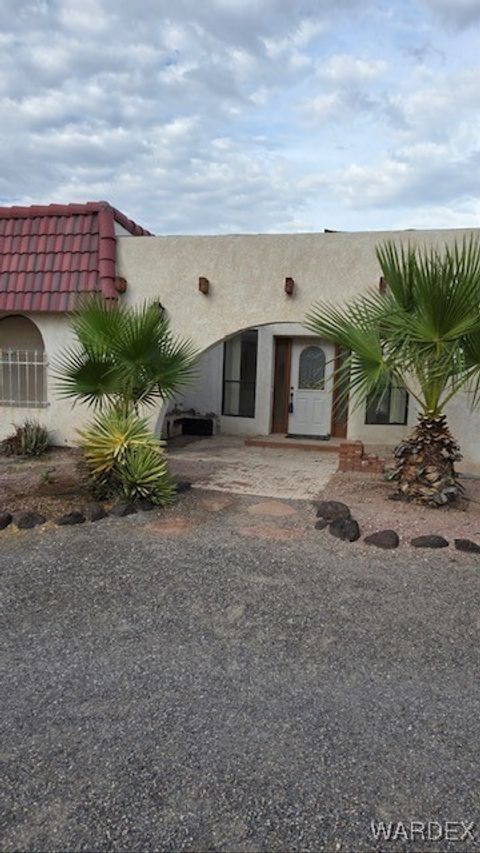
{"type": "Point", "coordinates": [206, 116]}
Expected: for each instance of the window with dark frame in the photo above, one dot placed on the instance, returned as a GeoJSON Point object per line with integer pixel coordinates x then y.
{"type": "Point", "coordinates": [240, 375]}
{"type": "Point", "coordinates": [389, 407]}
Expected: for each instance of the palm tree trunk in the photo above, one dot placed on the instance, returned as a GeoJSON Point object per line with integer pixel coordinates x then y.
{"type": "Point", "coordinates": [426, 464]}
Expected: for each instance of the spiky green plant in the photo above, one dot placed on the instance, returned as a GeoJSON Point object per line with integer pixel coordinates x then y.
{"type": "Point", "coordinates": [113, 433]}
{"type": "Point", "coordinates": [422, 334]}
{"type": "Point", "coordinates": [123, 456]}
{"type": "Point", "coordinates": [144, 474]}
{"type": "Point", "coordinates": [30, 438]}
{"type": "Point", "coordinates": [124, 356]}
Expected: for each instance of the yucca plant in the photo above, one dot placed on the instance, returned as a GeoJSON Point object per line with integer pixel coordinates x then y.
{"type": "Point", "coordinates": [143, 473]}
{"type": "Point", "coordinates": [123, 356]}
{"type": "Point", "coordinates": [29, 439]}
{"type": "Point", "coordinates": [422, 334]}
{"type": "Point", "coordinates": [106, 441]}
{"type": "Point", "coordinates": [123, 456]}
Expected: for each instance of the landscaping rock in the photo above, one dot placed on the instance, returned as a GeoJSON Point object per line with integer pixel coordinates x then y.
{"type": "Point", "coordinates": [383, 539]}
{"type": "Point", "coordinates": [94, 512]}
{"type": "Point", "coordinates": [74, 517]}
{"type": "Point", "coordinates": [183, 486]}
{"type": "Point", "coordinates": [332, 510]}
{"type": "Point", "coordinates": [321, 524]}
{"type": "Point", "coordinates": [431, 541]}
{"type": "Point", "coordinates": [467, 545]}
{"type": "Point", "coordinates": [346, 529]}
{"type": "Point", "coordinates": [27, 520]}
{"type": "Point", "coordinates": [144, 505]}
{"type": "Point", "coordinates": [120, 510]}
{"type": "Point", "coordinates": [5, 519]}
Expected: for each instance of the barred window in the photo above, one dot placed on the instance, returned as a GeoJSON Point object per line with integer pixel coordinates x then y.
{"type": "Point", "coordinates": [23, 364]}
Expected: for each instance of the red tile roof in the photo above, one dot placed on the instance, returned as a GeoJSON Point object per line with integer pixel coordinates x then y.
{"type": "Point", "coordinates": [52, 254]}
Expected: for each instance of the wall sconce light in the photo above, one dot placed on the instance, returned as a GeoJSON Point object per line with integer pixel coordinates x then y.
{"type": "Point", "coordinates": [203, 285]}
{"type": "Point", "coordinates": [289, 285]}
{"type": "Point", "coordinates": [382, 285]}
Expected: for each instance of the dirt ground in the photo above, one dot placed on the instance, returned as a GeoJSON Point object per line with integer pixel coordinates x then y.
{"type": "Point", "coordinates": [53, 485]}
{"type": "Point", "coordinates": [367, 495]}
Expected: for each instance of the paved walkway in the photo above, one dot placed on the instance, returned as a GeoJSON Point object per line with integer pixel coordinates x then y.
{"type": "Point", "coordinates": [225, 464]}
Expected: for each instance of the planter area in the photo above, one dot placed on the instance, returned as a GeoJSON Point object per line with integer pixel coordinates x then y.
{"type": "Point", "coordinates": [52, 489]}
{"type": "Point", "coordinates": [357, 507]}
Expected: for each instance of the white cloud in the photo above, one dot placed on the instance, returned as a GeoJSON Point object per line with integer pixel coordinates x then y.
{"type": "Point", "coordinates": [345, 68]}
{"type": "Point", "coordinates": [242, 114]}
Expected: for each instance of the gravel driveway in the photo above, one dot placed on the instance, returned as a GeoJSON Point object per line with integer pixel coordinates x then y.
{"type": "Point", "coordinates": [223, 677]}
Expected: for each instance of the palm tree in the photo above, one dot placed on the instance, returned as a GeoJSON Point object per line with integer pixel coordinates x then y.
{"type": "Point", "coordinates": [124, 357]}
{"type": "Point", "coordinates": [422, 334]}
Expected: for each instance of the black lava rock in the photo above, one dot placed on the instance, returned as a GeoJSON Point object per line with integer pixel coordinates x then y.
{"type": "Point", "coordinates": [120, 510]}
{"type": "Point", "coordinates": [332, 510]}
{"type": "Point", "coordinates": [94, 512]}
{"type": "Point", "coordinates": [321, 523]}
{"type": "Point", "coordinates": [346, 529]}
{"type": "Point", "coordinates": [467, 545]}
{"type": "Point", "coordinates": [74, 517]}
{"type": "Point", "coordinates": [183, 486]}
{"type": "Point", "coordinates": [5, 519]}
{"type": "Point", "coordinates": [383, 539]}
{"type": "Point", "coordinates": [430, 541]}
{"type": "Point", "coordinates": [144, 505]}
{"type": "Point", "coordinates": [27, 520]}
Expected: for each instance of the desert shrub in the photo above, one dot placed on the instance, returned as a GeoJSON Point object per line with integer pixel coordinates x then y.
{"type": "Point", "coordinates": [28, 439]}
{"type": "Point", "coordinates": [124, 457]}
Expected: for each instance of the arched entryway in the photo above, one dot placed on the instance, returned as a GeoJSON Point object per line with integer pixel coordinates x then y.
{"type": "Point", "coordinates": [272, 378]}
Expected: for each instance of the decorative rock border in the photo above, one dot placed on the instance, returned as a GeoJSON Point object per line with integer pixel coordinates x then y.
{"type": "Point", "coordinates": [91, 512]}
{"type": "Point", "coordinates": [337, 517]}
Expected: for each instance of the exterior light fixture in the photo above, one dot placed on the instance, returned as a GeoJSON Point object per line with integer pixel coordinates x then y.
{"type": "Point", "coordinates": [382, 285]}
{"type": "Point", "coordinates": [289, 285]}
{"type": "Point", "coordinates": [203, 285]}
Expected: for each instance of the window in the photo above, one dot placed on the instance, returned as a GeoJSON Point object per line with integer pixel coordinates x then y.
{"type": "Point", "coordinates": [389, 407]}
{"type": "Point", "coordinates": [23, 365]}
{"type": "Point", "coordinates": [239, 375]}
{"type": "Point", "coordinates": [311, 369]}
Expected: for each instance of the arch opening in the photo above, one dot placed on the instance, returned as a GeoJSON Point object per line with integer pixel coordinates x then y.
{"type": "Point", "coordinates": [249, 385]}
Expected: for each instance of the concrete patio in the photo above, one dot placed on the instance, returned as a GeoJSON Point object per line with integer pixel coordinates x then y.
{"type": "Point", "coordinates": [226, 464]}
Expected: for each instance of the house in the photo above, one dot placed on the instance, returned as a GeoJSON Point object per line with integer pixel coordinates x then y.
{"type": "Point", "coordinates": [240, 298]}
{"type": "Point", "coordinates": [49, 257]}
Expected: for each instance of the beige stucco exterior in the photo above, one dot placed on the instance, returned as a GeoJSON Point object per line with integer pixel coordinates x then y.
{"type": "Point", "coordinates": [247, 276]}
{"type": "Point", "coordinates": [59, 416]}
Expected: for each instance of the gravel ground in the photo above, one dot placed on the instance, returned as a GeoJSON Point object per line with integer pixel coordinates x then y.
{"type": "Point", "coordinates": [221, 676]}
{"type": "Point", "coordinates": [367, 496]}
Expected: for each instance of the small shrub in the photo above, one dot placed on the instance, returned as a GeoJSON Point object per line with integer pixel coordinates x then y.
{"type": "Point", "coordinates": [143, 474]}
{"type": "Point", "coordinates": [29, 439]}
{"type": "Point", "coordinates": [125, 458]}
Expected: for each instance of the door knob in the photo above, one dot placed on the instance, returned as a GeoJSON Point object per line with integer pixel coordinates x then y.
{"type": "Point", "coordinates": [290, 405]}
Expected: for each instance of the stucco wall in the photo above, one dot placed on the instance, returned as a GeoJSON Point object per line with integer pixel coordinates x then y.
{"type": "Point", "coordinates": [58, 415]}
{"type": "Point", "coordinates": [247, 275]}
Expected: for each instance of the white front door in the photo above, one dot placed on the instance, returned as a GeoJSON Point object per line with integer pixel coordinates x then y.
{"type": "Point", "coordinates": [310, 410]}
